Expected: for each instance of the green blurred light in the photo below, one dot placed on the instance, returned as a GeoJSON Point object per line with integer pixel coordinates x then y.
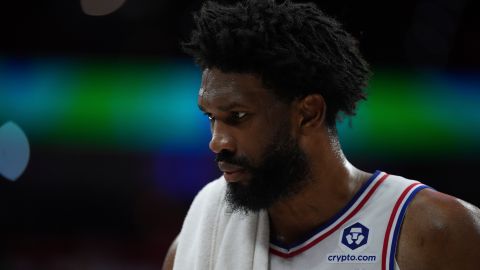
{"type": "Point", "coordinates": [410, 113]}
{"type": "Point", "coordinates": [151, 105]}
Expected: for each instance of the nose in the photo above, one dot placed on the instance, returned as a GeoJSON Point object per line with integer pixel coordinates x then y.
{"type": "Point", "coordinates": [221, 139]}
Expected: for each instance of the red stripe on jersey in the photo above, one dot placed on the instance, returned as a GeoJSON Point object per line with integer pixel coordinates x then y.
{"type": "Point", "coordinates": [390, 223]}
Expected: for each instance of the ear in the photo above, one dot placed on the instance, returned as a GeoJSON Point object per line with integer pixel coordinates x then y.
{"type": "Point", "coordinates": [312, 112]}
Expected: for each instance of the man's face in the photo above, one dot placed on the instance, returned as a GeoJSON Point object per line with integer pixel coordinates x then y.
{"type": "Point", "coordinates": [252, 139]}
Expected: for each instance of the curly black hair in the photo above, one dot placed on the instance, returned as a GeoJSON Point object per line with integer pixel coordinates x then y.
{"type": "Point", "coordinates": [294, 48]}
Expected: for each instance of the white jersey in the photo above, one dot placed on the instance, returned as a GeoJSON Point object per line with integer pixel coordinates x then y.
{"type": "Point", "coordinates": [362, 236]}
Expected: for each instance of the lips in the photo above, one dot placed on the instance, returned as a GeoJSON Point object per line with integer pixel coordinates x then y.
{"type": "Point", "coordinates": [231, 172]}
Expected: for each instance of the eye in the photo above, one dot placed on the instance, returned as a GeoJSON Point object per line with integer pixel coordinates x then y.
{"type": "Point", "coordinates": [236, 117]}
{"type": "Point", "coordinates": [239, 115]}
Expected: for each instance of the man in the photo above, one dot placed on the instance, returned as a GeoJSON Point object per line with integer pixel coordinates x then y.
{"type": "Point", "coordinates": [276, 78]}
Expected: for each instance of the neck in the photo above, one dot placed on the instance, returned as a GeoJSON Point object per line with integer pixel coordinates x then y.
{"type": "Point", "coordinates": [326, 194]}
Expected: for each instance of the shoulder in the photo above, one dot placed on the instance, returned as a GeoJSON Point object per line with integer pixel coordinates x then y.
{"type": "Point", "coordinates": [170, 257]}
{"type": "Point", "coordinates": [439, 232]}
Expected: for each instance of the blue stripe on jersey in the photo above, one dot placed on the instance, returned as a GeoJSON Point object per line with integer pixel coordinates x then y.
{"type": "Point", "coordinates": [396, 232]}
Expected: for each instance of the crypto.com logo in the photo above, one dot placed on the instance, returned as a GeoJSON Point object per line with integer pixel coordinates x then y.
{"type": "Point", "coordinates": [355, 236]}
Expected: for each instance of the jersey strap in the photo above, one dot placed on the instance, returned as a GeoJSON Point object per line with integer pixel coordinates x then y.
{"type": "Point", "coordinates": [395, 222]}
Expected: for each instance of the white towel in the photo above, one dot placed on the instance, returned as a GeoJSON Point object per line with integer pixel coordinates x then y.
{"type": "Point", "coordinates": [214, 239]}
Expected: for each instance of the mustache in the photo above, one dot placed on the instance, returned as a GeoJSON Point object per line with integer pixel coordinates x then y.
{"type": "Point", "coordinates": [229, 157]}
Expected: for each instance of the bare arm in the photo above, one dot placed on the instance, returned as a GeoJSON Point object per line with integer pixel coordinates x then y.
{"type": "Point", "coordinates": [170, 257]}
{"type": "Point", "coordinates": [439, 232]}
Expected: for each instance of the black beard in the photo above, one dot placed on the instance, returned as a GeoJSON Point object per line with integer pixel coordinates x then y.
{"type": "Point", "coordinates": [283, 172]}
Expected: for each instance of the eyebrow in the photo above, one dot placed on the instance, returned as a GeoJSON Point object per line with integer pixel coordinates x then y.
{"type": "Point", "coordinates": [224, 108]}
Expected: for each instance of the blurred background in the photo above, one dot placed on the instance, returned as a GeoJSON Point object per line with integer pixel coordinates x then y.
{"type": "Point", "coordinates": [119, 148]}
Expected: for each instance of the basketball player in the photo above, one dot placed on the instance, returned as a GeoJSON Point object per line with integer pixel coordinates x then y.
{"type": "Point", "coordinates": [276, 79]}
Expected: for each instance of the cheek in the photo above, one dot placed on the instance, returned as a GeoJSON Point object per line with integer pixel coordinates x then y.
{"type": "Point", "coordinates": [253, 143]}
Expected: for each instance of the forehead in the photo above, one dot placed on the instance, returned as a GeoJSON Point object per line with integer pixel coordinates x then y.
{"type": "Point", "coordinates": [218, 88]}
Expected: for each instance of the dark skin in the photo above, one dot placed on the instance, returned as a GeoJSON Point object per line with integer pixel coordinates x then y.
{"type": "Point", "coordinates": [438, 232]}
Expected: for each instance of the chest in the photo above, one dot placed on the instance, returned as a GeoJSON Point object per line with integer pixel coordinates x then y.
{"type": "Point", "coordinates": [363, 236]}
